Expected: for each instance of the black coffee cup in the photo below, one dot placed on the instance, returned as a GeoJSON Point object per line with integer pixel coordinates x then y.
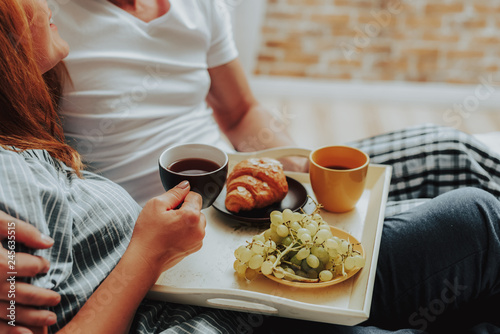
{"type": "Point", "coordinates": [204, 166]}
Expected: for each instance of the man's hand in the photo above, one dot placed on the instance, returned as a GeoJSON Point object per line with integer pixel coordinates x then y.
{"type": "Point", "coordinates": [295, 164]}
{"type": "Point", "coordinates": [23, 299]}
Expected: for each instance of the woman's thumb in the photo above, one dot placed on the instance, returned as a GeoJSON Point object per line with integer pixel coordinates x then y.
{"type": "Point", "coordinates": [176, 195]}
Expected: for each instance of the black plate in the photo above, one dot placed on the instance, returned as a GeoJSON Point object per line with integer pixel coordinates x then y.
{"type": "Point", "coordinates": [294, 200]}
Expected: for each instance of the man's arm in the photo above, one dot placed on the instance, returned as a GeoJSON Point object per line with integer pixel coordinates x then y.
{"type": "Point", "coordinates": [245, 122]}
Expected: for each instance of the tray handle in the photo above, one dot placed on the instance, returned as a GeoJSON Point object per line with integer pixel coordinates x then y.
{"type": "Point", "coordinates": [237, 301]}
{"type": "Point", "coordinates": [238, 304]}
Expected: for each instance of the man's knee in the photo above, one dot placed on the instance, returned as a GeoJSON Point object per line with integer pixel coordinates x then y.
{"type": "Point", "coordinates": [477, 196]}
{"type": "Point", "coordinates": [474, 205]}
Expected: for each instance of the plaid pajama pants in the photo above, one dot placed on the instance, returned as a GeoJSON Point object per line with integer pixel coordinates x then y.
{"type": "Point", "coordinates": [427, 161]}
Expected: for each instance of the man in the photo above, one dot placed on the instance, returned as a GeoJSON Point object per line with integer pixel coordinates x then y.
{"type": "Point", "coordinates": [148, 74]}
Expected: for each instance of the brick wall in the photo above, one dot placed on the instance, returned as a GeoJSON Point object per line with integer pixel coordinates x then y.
{"type": "Point", "coordinates": [453, 41]}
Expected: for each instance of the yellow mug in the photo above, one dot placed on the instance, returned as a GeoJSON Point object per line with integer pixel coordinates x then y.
{"type": "Point", "coordinates": [338, 176]}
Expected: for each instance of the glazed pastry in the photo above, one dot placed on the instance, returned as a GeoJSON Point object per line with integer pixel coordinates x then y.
{"type": "Point", "coordinates": [255, 183]}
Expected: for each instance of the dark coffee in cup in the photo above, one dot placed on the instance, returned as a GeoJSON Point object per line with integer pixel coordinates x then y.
{"type": "Point", "coordinates": [193, 166]}
{"type": "Point", "coordinates": [338, 167]}
{"type": "Point", "coordinates": [204, 166]}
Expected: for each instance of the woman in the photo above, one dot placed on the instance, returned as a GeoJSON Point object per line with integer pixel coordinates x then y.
{"type": "Point", "coordinates": [104, 254]}
{"type": "Point", "coordinates": [32, 142]}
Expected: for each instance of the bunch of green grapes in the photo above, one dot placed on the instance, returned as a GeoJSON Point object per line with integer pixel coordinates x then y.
{"type": "Point", "coordinates": [297, 247]}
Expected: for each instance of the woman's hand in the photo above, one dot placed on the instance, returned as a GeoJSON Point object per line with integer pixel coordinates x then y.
{"type": "Point", "coordinates": [163, 235]}
{"type": "Point", "coordinates": [20, 301]}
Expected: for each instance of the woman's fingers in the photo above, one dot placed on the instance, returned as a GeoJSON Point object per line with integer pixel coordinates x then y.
{"type": "Point", "coordinates": [27, 316]}
{"type": "Point", "coordinates": [174, 197]}
{"type": "Point", "coordinates": [20, 232]}
{"type": "Point", "coordinates": [192, 202]}
{"type": "Point", "coordinates": [191, 213]}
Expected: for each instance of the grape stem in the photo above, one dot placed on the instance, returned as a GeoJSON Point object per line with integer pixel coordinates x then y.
{"type": "Point", "coordinates": [281, 254]}
{"type": "Point", "coordinates": [292, 264]}
{"type": "Point", "coordinates": [317, 208]}
{"type": "Point", "coordinates": [286, 274]}
{"type": "Point", "coordinates": [299, 278]}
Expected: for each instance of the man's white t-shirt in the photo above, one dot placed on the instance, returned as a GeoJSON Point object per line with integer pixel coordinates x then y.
{"type": "Point", "coordinates": [138, 88]}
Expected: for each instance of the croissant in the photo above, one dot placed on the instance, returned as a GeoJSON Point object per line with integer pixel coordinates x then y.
{"type": "Point", "coordinates": [255, 183]}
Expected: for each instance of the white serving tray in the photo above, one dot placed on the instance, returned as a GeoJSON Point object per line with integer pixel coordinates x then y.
{"type": "Point", "coordinates": [207, 278]}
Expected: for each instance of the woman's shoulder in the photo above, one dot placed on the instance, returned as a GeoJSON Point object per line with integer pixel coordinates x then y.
{"type": "Point", "coordinates": [19, 158]}
{"type": "Point", "coordinates": [40, 164]}
{"type": "Point", "coordinates": [13, 156]}
{"type": "Point", "coordinates": [23, 175]}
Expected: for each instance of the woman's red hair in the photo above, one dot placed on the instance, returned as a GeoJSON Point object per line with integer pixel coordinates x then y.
{"type": "Point", "coordinates": [28, 98]}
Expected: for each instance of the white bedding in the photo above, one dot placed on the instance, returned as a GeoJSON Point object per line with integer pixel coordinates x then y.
{"type": "Point", "coordinates": [491, 139]}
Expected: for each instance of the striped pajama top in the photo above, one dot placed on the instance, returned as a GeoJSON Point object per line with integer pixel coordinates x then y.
{"type": "Point", "coordinates": [90, 219]}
